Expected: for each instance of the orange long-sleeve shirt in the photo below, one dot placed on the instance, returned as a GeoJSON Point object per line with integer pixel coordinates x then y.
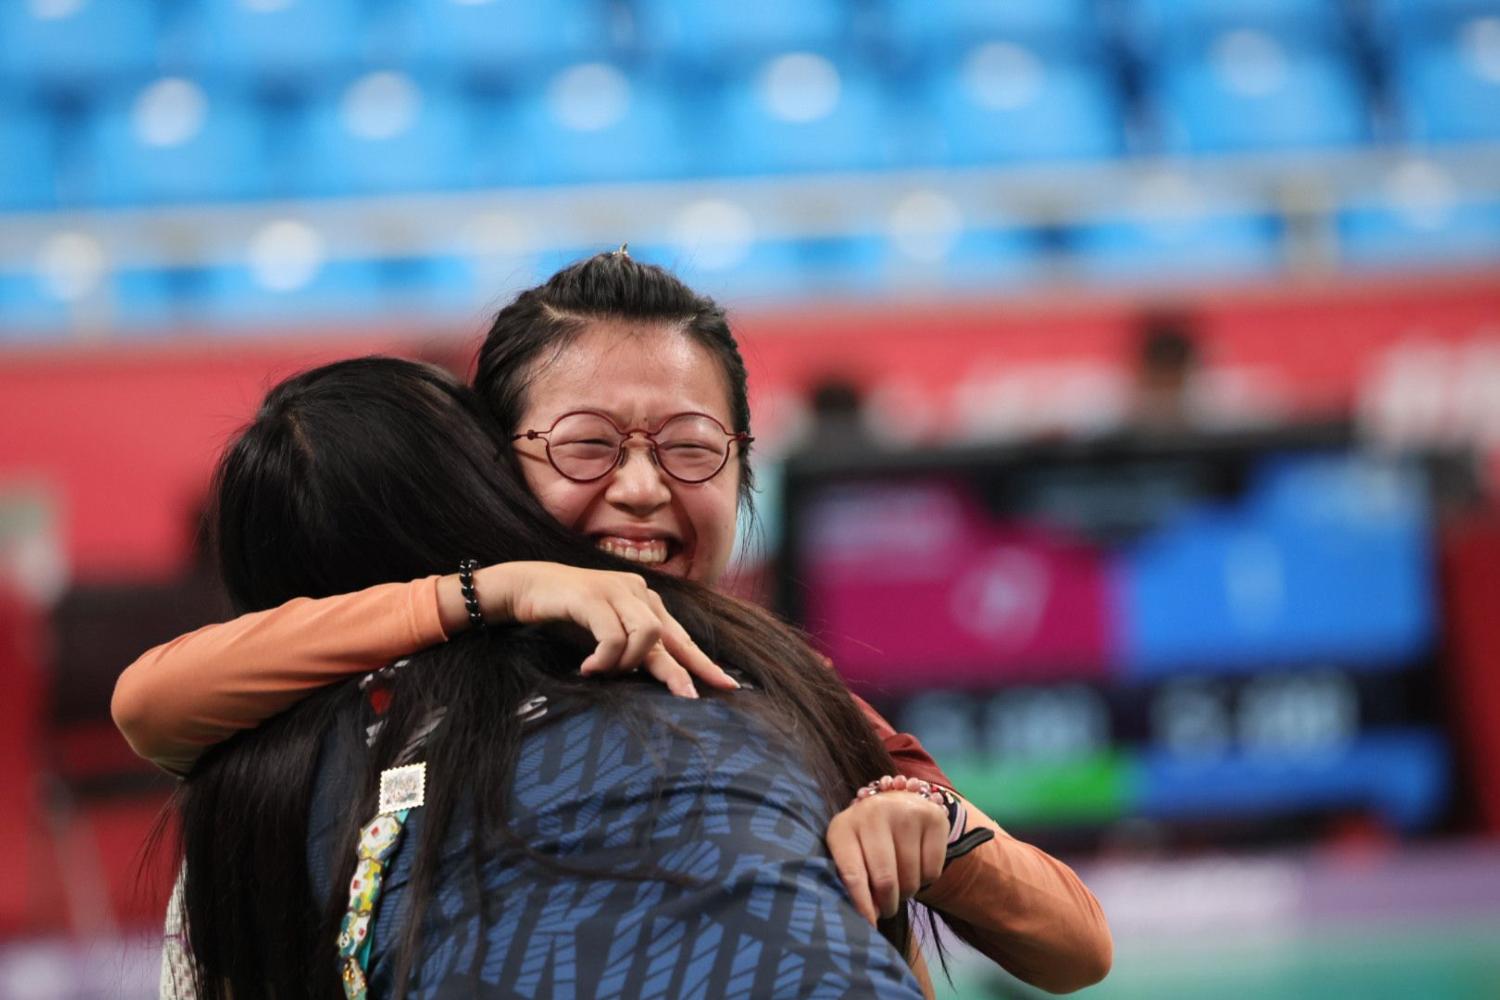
{"type": "Point", "coordinates": [1021, 907]}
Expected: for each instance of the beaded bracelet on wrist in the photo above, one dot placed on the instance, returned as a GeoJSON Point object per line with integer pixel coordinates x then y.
{"type": "Point", "coordinates": [901, 783]}
{"type": "Point", "coordinates": [961, 839]}
{"type": "Point", "coordinates": [471, 596]}
{"type": "Point", "coordinates": [936, 794]}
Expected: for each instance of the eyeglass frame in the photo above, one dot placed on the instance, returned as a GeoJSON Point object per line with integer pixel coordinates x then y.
{"type": "Point", "coordinates": [625, 435]}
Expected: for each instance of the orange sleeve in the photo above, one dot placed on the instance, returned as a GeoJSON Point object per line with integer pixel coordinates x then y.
{"type": "Point", "coordinates": [1025, 910]}
{"type": "Point", "coordinates": [184, 696]}
{"type": "Point", "coordinates": [1017, 904]}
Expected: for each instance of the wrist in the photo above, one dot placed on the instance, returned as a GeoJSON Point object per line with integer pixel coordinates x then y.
{"type": "Point", "coordinates": [496, 587]}
{"type": "Point", "coordinates": [452, 614]}
{"type": "Point", "coordinates": [901, 783]}
{"type": "Point", "coordinates": [493, 585]}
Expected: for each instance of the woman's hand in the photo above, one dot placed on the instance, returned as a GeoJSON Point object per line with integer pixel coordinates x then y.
{"type": "Point", "coordinates": [888, 847]}
{"type": "Point", "coordinates": [627, 619]}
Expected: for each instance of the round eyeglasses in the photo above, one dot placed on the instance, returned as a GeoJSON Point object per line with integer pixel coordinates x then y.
{"type": "Point", "coordinates": [585, 445]}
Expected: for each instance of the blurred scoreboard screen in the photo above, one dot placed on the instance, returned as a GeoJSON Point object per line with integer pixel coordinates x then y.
{"type": "Point", "coordinates": [1241, 630]}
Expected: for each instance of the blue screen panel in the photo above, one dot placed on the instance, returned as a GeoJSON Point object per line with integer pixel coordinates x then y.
{"type": "Point", "coordinates": [1322, 558]}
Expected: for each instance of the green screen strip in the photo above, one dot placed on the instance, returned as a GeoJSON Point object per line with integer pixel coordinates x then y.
{"type": "Point", "coordinates": [1089, 789]}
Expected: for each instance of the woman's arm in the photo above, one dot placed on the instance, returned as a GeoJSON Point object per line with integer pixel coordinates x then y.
{"type": "Point", "coordinates": [182, 697]}
{"type": "Point", "coordinates": [1017, 904]}
{"type": "Point", "coordinates": [1025, 910]}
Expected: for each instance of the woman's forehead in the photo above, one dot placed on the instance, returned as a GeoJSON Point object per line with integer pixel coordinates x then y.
{"type": "Point", "coordinates": [633, 373]}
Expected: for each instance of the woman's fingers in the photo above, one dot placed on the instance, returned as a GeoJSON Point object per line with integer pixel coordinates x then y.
{"type": "Point", "coordinates": [934, 849]}
{"type": "Point", "coordinates": [603, 623]}
{"type": "Point", "coordinates": [631, 626]}
{"type": "Point", "coordinates": [879, 849]}
{"type": "Point", "coordinates": [908, 851]}
{"type": "Point", "coordinates": [642, 631]}
{"type": "Point", "coordinates": [849, 861]}
{"type": "Point", "coordinates": [887, 848]}
{"type": "Point", "coordinates": [629, 636]}
{"type": "Point", "coordinates": [660, 664]}
{"type": "Point", "coordinates": [686, 652]}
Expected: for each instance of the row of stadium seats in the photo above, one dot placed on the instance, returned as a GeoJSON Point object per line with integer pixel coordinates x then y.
{"type": "Point", "coordinates": [287, 275]}
{"type": "Point", "coordinates": [66, 42]}
{"type": "Point", "coordinates": [175, 140]}
{"type": "Point", "coordinates": [108, 103]}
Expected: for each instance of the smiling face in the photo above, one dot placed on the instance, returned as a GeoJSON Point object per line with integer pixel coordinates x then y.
{"type": "Point", "coordinates": [638, 376]}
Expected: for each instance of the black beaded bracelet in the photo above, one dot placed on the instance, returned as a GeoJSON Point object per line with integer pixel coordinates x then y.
{"type": "Point", "coordinates": [471, 596]}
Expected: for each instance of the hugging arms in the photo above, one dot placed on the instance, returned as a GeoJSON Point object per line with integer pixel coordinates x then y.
{"type": "Point", "coordinates": [627, 343]}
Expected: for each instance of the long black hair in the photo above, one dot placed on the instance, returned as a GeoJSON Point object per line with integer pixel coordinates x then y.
{"type": "Point", "coordinates": [378, 470]}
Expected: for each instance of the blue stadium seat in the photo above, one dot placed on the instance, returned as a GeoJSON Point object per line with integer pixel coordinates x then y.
{"type": "Point", "coordinates": [591, 123]}
{"type": "Point", "coordinates": [711, 33]}
{"type": "Point", "coordinates": [757, 269]}
{"type": "Point", "coordinates": [498, 37]}
{"type": "Point", "coordinates": [238, 297]}
{"type": "Point", "coordinates": [1252, 93]}
{"type": "Point", "coordinates": [235, 299]}
{"type": "Point", "coordinates": [68, 43]}
{"type": "Point", "coordinates": [166, 300]}
{"type": "Point", "coordinates": [159, 301]}
{"type": "Point", "coordinates": [428, 286]}
{"type": "Point", "coordinates": [1006, 103]}
{"type": "Point", "coordinates": [1051, 25]}
{"type": "Point", "coordinates": [834, 267]}
{"type": "Point", "coordinates": [1464, 232]}
{"type": "Point", "coordinates": [767, 269]}
{"type": "Point", "coordinates": [27, 311]}
{"type": "Point", "coordinates": [26, 167]}
{"type": "Point", "coordinates": [777, 268]}
{"type": "Point", "coordinates": [801, 112]}
{"type": "Point", "coordinates": [1448, 88]}
{"type": "Point", "coordinates": [1184, 26]}
{"type": "Point", "coordinates": [1399, 21]}
{"type": "Point", "coordinates": [979, 260]}
{"type": "Point", "coordinates": [1169, 248]}
{"type": "Point", "coordinates": [385, 132]}
{"type": "Point", "coordinates": [173, 141]}
{"type": "Point", "coordinates": [294, 41]}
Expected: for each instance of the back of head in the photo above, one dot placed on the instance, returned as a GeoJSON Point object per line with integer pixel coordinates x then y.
{"type": "Point", "coordinates": [369, 471]}
{"type": "Point", "coordinates": [362, 472]}
{"type": "Point", "coordinates": [606, 287]}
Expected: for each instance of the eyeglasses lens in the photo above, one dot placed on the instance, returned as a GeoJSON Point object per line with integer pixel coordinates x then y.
{"type": "Point", "coordinates": [691, 447]}
{"type": "Point", "coordinates": [583, 446]}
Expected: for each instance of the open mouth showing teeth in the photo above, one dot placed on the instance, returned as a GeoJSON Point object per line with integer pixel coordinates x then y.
{"type": "Point", "coordinates": [652, 552]}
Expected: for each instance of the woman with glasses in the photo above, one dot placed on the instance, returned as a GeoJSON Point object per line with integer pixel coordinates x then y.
{"type": "Point", "coordinates": [625, 398]}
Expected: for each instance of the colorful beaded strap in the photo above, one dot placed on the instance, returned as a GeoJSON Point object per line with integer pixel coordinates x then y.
{"type": "Point", "coordinates": [402, 789]}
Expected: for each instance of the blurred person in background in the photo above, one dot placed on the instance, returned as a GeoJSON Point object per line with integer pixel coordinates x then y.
{"type": "Point", "coordinates": [556, 817]}
{"type": "Point", "coordinates": [838, 419]}
{"type": "Point", "coordinates": [630, 348]}
{"type": "Point", "coordinates": [1167, 370]}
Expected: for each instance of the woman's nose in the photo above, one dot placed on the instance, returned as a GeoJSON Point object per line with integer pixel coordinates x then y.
{"type": "Point", "coordinates": [638, 484]}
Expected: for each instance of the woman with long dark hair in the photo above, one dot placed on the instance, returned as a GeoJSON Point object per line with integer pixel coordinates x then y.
{"type": "Point", "coordinates": [605, 381]}
{"type": "Point", "coordinates": [563, 825]}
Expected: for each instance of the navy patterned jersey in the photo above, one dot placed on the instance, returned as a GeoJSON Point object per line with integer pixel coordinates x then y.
{"type": "Point", "coordinates": [739, 898]}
